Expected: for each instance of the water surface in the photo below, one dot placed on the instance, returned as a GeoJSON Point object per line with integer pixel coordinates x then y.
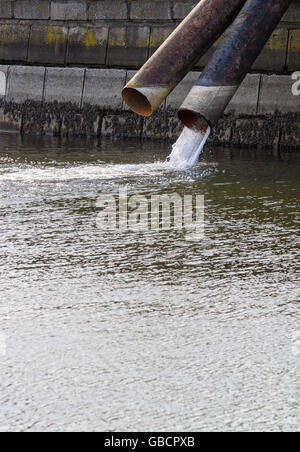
{"type": "Point", "coordinates": [147, 331]}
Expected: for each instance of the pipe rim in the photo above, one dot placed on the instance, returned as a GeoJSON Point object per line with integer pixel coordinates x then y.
{"type": "Point", "coordinates": [193, 120]}
{"type": "Point", "coordinates": [137, 101]}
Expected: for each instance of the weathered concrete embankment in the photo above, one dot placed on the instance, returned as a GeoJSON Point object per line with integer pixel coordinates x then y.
{"type": "Point", "coordinates": [65, 63]}
{"type": "Point", "coordinates": [117, 33]}
{"type": "Point", "coordinates": [78, 101]}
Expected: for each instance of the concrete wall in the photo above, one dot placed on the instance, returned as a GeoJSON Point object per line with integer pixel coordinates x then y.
{"type": "Point", "coordinates": [64, 63]}
{"type": "Point", "coordinates": [84, 101]}
{"type": "Point", "coordinates": [116, 33]}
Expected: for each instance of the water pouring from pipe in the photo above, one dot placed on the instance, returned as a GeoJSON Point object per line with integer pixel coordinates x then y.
{"type": "Point", "coordinates": [254, 23]}
{"type": "Point", "coordinates": [230, 63]}
{"type": "Point", "coordinates": [220, 80]}
{"type": "Point", "coordinates": [188, 148]}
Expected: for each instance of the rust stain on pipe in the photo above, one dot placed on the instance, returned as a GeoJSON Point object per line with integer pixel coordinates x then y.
{"type": "Point", "coordinates": [231, 62]}
{"type": "Point", "coordinates": [179, 54]}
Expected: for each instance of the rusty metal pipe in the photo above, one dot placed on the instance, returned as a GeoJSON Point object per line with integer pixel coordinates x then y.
{"type": "Point", "coordinates": [179, 54]}
{"type": "Point", "coordinates": [231, 62]}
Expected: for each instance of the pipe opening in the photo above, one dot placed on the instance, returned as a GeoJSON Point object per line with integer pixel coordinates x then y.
{"type": "Point", "coordinates": [137, 101]}
{"type": "Point", "coordinates": [193, 120]}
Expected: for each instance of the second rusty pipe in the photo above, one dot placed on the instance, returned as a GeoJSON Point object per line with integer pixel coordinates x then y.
{"type": "Point", "coordinates": [231, 62]}
{"type": "Point", "coordinates": [179, 54]}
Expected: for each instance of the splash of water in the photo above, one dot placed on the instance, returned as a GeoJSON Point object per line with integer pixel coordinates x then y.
{"type": "Point", "coordinates": [100, 170]}
{"type": "Point", "coordinates": [185, 154]}
{"type": "Point", "coordinates": [187, 149]}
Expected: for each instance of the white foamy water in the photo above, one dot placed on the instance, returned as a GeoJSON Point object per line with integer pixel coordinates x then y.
{"type": "Point", "coordinates": [83, 172]}
{"type": "Point", "coordinates": [187, 149]}
{"type": "Point", "coordinates": [102, 171]}
{"type": "Point", "coordinates": [185, 154]}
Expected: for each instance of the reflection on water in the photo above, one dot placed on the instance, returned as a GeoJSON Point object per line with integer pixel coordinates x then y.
{"type": "Point", "coordinates": [147, 331]}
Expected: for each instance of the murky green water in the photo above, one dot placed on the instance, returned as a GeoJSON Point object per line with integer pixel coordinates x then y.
{"type": "Point", "coordinates": [147, 331]}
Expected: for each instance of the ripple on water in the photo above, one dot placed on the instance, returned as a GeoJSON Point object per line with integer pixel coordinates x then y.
{"type": "Point", "coordinates": [147, 331]}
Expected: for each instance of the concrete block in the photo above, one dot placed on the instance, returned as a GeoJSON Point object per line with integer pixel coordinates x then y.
{"type": "Point", "coordinates": [47, 44]}
{"type": "Point", "coordinates": [107, 9]}
{"type": "Point", "coordinates": [222, 132]}
{"type": "Point", "coordinates": [273, 57]}
{"type": "Point", "coordinates": [51, 124]}
{"type": "Point", "coordinates": [72, 124]}
{"type": "Point", "coordinates": [130, 75]}
{"type": "Point", "coordinates": [14, 42]}
{"type": "Point", "coordinates": [293, 13]}
{"type": "Point", "coordinates": [127, 125]}
{"type": "Point", "coordinates": [64, 85]}
{"type": "Point", "coordinates": [32, 9]}
{"type": "Point", "coordinates": [51, 120]}
{"type": "Point", "coordinates": [245, 100]}
{"type": "Point", "coordinates": [176, 98]}
{"type": "Point", "coordinates": [87, 45]}
{"type": "Point", "coordinates": [25, 83]}
{"type": "Point", "coordinates": [158, 36]}
{"type": "Point", "coordinates": [92, 121]}
{"type": "Point", "coordinates": [182, 8]}
{"type": "Point", "coordinates": [103, 88]}
{"type": "Point", "coordinates": [255, 133]}
{"type": "Point", "coordinates": [162, 126]}
{"type": "Point", "coordinates": [293, 59]}
{"type": "Point", "coordinates": [42, 119]}
{"type": "Point", "coordinates": [128, 46]}
{"type": "Point", "coordinates": [4, 71]}
{"type": "Point", "coordinates": [175, 128]}
{"type": "Point", "coordinates": [69, 10]}
{"type": "Point", "coordinates": [6, 9]}
{"type": "Point", "coordinates": [290, 137]}
{"type": "Point", "coordinates": [10, 121]}
{"type": "Point", "coordinates": [77, 124]}
{"type": "Point", "coordinates": [154, 10]}
{"type": "Point", "coordinates": [276, 95]}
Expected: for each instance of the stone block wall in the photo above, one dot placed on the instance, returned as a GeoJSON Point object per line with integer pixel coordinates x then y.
{"type": "Point", "coordinates": [87, 102]}
{"type": "Point", "coordinates": [116, 33]}
{"type": "Point", "coordinates": [63, 64]}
